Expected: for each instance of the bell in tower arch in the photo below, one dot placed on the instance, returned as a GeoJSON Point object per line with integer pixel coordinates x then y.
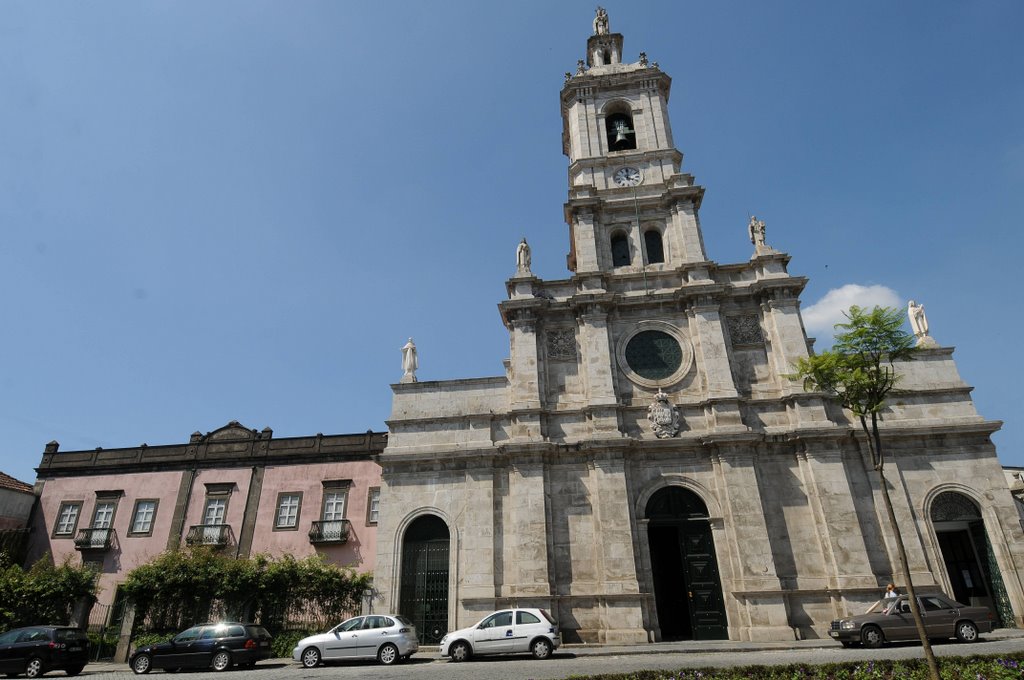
{"type": "Point", "coordinates": [621, 135]}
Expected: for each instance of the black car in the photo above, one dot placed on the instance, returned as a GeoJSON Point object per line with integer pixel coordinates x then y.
{"type": "Point", "coordinates": [210, 645]}
{"type": "Point", "coordinates": [38, 649]}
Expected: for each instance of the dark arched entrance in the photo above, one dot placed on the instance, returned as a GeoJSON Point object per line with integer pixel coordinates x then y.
{"type": "Point", "coordinates": [424, 590]}
{"type": "Point", "coordinates": [970, 564]}
{"type": "Point", "coordinates": [687, 590]}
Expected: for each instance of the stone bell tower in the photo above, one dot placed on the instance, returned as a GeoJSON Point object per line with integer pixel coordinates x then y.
{"type": "Point", "coordinates": [645, 359]}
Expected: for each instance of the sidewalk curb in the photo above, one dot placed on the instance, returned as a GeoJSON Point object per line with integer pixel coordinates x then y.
{"type": "Point", "coordinates": [690, 646]}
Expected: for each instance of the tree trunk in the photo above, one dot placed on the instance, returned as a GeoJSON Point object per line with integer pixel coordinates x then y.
{"type": "Point", "coordinates": [875, 443]}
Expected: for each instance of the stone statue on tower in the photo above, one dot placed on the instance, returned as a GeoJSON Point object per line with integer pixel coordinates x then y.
{"type": "Point", "coordinates": [601, 22]}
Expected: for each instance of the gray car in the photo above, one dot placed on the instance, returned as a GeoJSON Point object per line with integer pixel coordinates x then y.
{"type": "Point", "coordinates": [389, 638]}
{"type": "Point", "coordinates": [890, 620]}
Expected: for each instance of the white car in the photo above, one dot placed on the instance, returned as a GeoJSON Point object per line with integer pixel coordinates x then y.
{"type": "Point", "coordinates": [387, 638]}
{"type": "Point", "coordinates": [509, 631]}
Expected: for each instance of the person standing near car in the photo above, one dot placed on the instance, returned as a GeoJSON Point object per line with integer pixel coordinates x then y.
{"type": "Point", "coordinates": [890, 591]}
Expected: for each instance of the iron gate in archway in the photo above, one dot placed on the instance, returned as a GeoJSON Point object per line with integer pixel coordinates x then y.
{"type": "Point", "coordinates": [424, 584]}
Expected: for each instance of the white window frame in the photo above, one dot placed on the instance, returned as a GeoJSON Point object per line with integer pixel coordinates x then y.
{"type": "Point", "coordinates": [289, 505]}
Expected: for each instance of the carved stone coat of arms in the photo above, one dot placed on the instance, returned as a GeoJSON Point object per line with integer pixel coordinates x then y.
{"type": "Point", "coordinates": [663, 417]}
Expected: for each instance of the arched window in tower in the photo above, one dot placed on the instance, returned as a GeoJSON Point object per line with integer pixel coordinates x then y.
{"type": "Point", "coordinates": [620, 250]}
{"type": "Point", "coordinates": [621, 135]}
{"type": "Point", "coordinates": [653, 245]}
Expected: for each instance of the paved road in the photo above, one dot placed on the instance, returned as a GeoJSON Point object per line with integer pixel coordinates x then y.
{"type": "Point", "coordinates": [586, 660]}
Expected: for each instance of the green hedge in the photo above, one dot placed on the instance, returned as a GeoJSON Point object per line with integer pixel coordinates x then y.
{"type": "Point", "coordinates": [996, 667]}
{"type": "Point", "coordinates": [46, 593]}
{"type": "Point", "coordinates": [183, 587]}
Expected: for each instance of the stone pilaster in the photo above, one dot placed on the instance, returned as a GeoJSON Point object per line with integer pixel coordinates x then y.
{"type": "Point", "coordinates": [525, 388]}
{"type": "Point", "coordinates": [907, 519]}
{"type": "Point", "coordinates": [837, 526]}
{"type": "Point", "coordinates": [596, 367]}
{"type": "Point", "coordinates": [525, 531]}
{"type": "Point", "coordinates": [686, 232]}
{"type": "Point", "coordinates": [761, 607]}
{"type": "Point", "coordinates": [584, 233]}
{"type": "Point", "coordinates": [713, 356]}
{"type": "Point", "coordinates": [623, 623]}
{"type": "Point", "coordinates": [481, 553]}
{"type": "Point", "coordinates": [786, 339]}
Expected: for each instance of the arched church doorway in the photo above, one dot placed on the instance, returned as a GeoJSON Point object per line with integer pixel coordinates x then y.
{"type": "Point", "coordinates": [967, 553]}
{"type": "Point", "coordinates": [687, 589]}
{"type": "Point", "coordinates": [424, 585]}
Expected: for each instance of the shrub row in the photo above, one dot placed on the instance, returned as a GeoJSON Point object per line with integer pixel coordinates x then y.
{"type": "Point", "coordinates": [997, 667]}
{"type": "Point", "coordinates": [183, 587]}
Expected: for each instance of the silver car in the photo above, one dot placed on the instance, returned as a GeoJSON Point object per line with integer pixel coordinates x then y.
{"type": "Point", "coordinates": [385, 637]}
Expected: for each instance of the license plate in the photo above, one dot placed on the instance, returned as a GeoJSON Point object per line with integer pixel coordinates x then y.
{"type": "Point", "coordinates": [834, 633]}
{"type": "Point", "coordinates": [264, 644]}
{"type": "Point", "coordinates": [74, 649]}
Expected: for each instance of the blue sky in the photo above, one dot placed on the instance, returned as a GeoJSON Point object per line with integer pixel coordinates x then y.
{"type": "Point", "coordinates": [241, 210]}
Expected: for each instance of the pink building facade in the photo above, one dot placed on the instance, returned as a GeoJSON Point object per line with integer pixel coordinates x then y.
{"type": "Point", "coordinates": [239, 490]}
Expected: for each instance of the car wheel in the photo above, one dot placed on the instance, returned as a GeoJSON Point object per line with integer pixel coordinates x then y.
{"type": "Point", "coordinates": [310, 657]}
{"type": "Point", "coordinates": [34, 668]}
{"type": "Point", "coordinates": [221, 661]}
{"type": "Point", "coordinates": [871, 637]}
{"type": "Point", "coordinates": [540, 648]}
{"type": "Point", "coordinates": [74, 670]}
{"type": "Point", "coordinates": [966, 631]}
{"type": "Point", "coordinates": [388, 654]}
{"type": "Point", "coordinates": [142, 664]}
{"type": "Point", "coordinates": [459, 652]}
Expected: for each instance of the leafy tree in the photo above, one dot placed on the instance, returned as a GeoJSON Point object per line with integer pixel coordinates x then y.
{"type": "Point", "coordinates": [46, 593]}
{"type": "Point", "coordinates": [860, 371]}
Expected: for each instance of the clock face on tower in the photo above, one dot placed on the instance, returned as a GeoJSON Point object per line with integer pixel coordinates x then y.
{"type": "Point", "coordinates": [627, 177]}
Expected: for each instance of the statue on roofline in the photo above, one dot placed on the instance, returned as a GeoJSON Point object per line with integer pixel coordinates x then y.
{"type": "Point", "coordinates": [410, 362]}
{"type": "Point", "coordinates": [523, 258]}
{"type": "Point", "coordinates": [601, 22]}
{"type": "Point", "coordinates": [919, 324]}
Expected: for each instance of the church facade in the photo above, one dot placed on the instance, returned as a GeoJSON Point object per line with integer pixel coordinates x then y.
{"type": "Point", "coordinates": [644, 468]}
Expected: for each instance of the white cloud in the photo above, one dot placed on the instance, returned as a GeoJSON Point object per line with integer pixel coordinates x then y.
{"type": "Point", "coordinates": [821, 317]}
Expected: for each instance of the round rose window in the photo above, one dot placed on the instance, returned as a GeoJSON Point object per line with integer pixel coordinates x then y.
{"type": "Point", "coordinates": [653, 355]}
